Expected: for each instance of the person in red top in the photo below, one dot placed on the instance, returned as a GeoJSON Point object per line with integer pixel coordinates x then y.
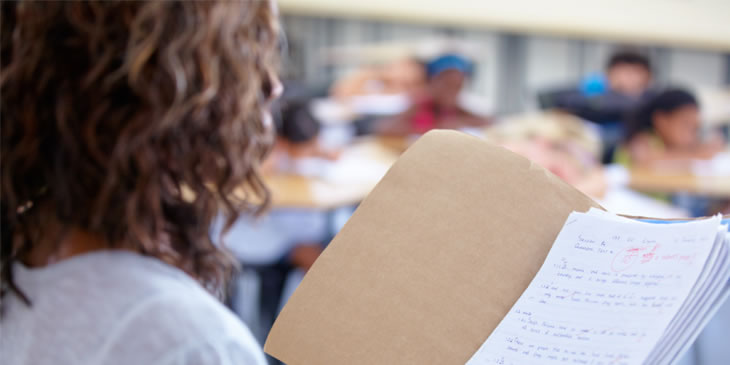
{"type": "Point", "coordinates": [438, 107]}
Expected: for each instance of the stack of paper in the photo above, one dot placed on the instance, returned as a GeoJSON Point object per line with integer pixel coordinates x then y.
{"type": "Point", "coordinates": [614, 290]}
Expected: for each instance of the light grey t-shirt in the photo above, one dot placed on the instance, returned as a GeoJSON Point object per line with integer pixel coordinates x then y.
{"type": "Point", "coordinates": [116, 307]}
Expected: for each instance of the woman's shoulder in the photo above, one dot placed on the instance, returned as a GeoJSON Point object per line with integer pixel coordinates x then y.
{"type": "Point", "coordinates": [189, 320]}
{"type": "Point", "coordinates": [171, 313]}
{"type": "Point", "coordinates": [129, 306]}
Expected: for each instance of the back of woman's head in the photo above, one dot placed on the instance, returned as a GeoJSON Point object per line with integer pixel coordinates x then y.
{"type": "Point", "coordinates": [111, 110]}
{"type": "Point", "coordinates": [642, 119]}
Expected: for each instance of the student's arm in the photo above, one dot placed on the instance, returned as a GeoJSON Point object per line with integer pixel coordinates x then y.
{"type": "Point", "coordinates": [643, 153]}
{"type": "Point", "coordinates": [327, 153]}
{"type": "Point", "coordinates": [355, 83]}
{"type": "Point", "coordinates": [464, 119]}
{"type": "Point", "coordinates": [398, 125]}
{"type": "Point", "coordinates": [304, 255]}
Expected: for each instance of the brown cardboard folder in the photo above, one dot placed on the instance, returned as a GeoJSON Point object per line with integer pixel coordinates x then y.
{"type": "Point", "coordinates": [430, 262]}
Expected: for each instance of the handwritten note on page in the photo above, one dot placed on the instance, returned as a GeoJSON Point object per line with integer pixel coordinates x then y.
{"type": "Point", "coordinates": [604, 295]}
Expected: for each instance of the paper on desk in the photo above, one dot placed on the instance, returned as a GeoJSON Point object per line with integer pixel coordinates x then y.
{"type": "Point", "coordinates": [357, 166]}
{"type": "Point", "coordinates": [719, 165]}
{"type": "Point", "coordinates": [616, 285]}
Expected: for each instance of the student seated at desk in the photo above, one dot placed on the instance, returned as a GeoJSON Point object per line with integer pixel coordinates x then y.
{"type": "Point", "coordinates": [664, 130]}
{"type": "Point", "coordinates": [298, 152]}
{"type": "Point", "coordinates": [570, 148]}
{"type": "Point", "coordinates": [561, 143]}
{"type": "Point", "coordinates": [607, 99]}
{"type": "Point", "coordinates": [277, 248]}
{"type": "Point", "coordinates": [439, 106]}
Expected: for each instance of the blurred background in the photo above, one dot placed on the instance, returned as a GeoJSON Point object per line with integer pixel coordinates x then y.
{"type": "Point", "coordinates": [628, 101]}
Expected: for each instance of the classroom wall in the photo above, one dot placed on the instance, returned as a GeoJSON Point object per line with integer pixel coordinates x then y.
{"type": "Point", "coordinates": [688, 23]}
{"type": "Point", "coordinates": [511, 67]}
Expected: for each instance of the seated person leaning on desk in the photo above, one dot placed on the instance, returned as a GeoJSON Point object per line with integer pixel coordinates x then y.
{"type": "Point", "coordinates": [297, 151]}
{"type": "Point", "coordinates": [663, 134]}
{"type": "Point", "coordinates": [664, 130]}
{"type": "Point", "coordinates": [606, 99]}
{"type": "Point", "coordinates": [561, 143]}
{"type": "Point", "coordinates": [283, 241]}
{"type": "Point", "coordinates": [438, 107]}
{"type": "Point", "coordinates": [570, 149]}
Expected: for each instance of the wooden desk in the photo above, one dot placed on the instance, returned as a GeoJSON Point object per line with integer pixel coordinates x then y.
{"type": "Point", "coordinates": [293, 191]}
{"type": "Point", "coordinates": [649, 180]}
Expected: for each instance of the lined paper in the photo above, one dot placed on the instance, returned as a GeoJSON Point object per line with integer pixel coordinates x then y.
{"type": "Point", "coordinates": [605, 294]}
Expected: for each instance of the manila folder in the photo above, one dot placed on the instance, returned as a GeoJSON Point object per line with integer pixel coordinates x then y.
{"type": "Point", "coordinates": [430, 261]}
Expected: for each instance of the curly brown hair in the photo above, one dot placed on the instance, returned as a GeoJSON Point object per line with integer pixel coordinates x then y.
{"type": "Point", "coordinates": [111, 110]}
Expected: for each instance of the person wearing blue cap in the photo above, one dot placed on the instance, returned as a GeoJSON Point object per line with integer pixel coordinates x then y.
{"type": "Point", "coordinates": [439, 106]}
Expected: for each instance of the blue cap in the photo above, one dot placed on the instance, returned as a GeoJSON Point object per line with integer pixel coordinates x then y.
{"type": "Point", "coordinates": [449, 62]}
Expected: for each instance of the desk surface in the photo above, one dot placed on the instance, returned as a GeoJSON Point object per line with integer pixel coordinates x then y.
{"type": "Point", "coordinates": [674, 182]}
{"type": "Point", "coordinates": [378, 154]}
{"type": "Point", "coordinates": [352, 177]}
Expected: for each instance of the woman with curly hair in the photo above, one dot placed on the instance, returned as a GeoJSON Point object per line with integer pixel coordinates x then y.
{"type": "Point", "coordinates": [110, 112]}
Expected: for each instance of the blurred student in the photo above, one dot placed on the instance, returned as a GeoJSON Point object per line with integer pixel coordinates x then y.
{"type": "Point", "coordinates": [298, 151]}
{"type": "Point", "coordinates": [629, 74]}
{"type": "Point", "coordinates": [279, 247]}
{"type": "Point", "coordinates": [665, 129]}
{"type": "Point", "coordinates": [608, 98]}
{"type": "Point", "coordinates": [439, 106]}
{"type": "Point", "coordinates": [110, 110]}
{"type": "Point", "coordinates": [570, 149]}
{"type": "Point", "coordinates": [559, 142]}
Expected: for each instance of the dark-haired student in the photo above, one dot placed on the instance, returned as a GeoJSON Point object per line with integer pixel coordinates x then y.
{"type": "Point", "coordinates": [110, 111]}
{"type": "Point", "coordinates": [298, 151]}
{"type": "Point", "coordinates": [607, 99]}
{"type": "Point", "coordinates": [666, 128]}
{"type": "Point", "coordinates": [279, 247]}
{"type": "Point", "coordinates": [628, 73]}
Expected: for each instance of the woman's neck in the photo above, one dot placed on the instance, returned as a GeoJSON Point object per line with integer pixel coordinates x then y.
{"type": "Point", "coordinates": [70, 243]}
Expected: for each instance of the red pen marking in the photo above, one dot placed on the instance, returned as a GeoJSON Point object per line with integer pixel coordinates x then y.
{"type": "Point", "coordinates": [625, 258]}
{"type": "Point", "coordinates": [649, 255]}
{"type": "Point", "coordinates": [630, 256]}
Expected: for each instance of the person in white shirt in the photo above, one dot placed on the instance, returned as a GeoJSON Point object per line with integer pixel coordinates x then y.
{"type": "Point", "coordinates": [126, 126]}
